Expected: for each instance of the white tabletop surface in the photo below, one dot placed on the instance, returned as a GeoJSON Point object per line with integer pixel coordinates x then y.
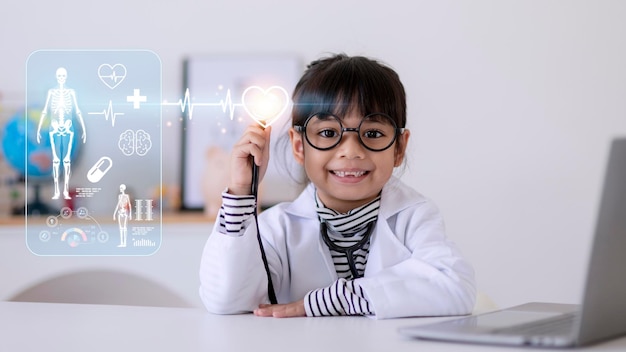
{"type": "Point", "coordinates": [77, 327]}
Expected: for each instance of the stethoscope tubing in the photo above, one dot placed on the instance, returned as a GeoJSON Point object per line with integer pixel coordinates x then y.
{"type": "Point", "coordinates": [348, 251]}
{"type": "Point", "coordinates": [255, 190]}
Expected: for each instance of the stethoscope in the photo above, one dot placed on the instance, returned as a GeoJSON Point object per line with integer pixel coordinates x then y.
{"type": "Point", "coordinates": [255, 192]}
{"type": "Point", "coordinates": [348, 251]}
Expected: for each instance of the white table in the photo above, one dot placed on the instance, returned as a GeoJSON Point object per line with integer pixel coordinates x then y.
{"type": "Point", "coordinates": [76, 327]}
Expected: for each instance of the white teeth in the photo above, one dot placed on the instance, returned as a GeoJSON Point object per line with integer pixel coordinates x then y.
{"type": "Point", "coordinates": [349, 173]}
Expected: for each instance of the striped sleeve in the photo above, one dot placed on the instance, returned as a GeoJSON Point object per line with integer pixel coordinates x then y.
{"type": "Point", "coordinates": [235, 210]}
{"type": "Point", "coordinates": [343, 297]}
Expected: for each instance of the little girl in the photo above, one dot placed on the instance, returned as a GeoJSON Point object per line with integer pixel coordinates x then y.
{"type": "Point", "coordinates": [357, 240]}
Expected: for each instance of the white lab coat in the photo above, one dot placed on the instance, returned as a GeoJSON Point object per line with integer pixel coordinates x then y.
{"type": "Point", "coordinates": [412, 268]}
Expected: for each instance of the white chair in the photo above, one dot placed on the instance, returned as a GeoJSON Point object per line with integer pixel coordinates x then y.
{"type": "Point", "coordinates": [101, 287]}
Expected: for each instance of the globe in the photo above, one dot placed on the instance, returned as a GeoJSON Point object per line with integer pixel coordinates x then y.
{"type": "Point", "coordinates": [20, 138]}
{"type": "Point", "coordinates": [20, 146]}
{"type": "Point", "coordinates": [29, 158]}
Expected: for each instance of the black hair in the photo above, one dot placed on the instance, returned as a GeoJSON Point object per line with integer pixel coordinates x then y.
{"type": "Point", "coordinates": [340, 83]}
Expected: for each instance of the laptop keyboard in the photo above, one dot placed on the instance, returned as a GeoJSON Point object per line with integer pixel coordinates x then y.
{"type": "Point", "coordinates": [561, 325]}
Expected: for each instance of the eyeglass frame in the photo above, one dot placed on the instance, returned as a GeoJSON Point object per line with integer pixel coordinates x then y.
{"type": "Point", "coordinates": [398, 131]}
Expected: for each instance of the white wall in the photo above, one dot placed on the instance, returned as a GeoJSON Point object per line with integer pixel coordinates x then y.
{"type": "Point", "coordinates": [511, 103]}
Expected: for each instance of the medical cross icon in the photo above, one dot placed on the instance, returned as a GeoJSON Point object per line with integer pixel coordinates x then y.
{"type": "Point", "coordinates": [136, 99]}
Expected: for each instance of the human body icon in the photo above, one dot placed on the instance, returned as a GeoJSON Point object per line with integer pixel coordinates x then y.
{"type": "Point", "coordinates": [62, 104]}
{"type": "Point", "coordinates": [123, 212]}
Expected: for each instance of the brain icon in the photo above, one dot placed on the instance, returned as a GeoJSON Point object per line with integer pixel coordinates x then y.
{"type": "Point", "coordinates": [142, 142]}
{"type": "Point", "coordinates": [126, 142]}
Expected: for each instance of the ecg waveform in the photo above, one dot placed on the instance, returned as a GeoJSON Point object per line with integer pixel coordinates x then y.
{"type": "Point", "coordinates": [185, 104]}
{"type": "Point", "coordinates": [114, 77]}
{"type": "Point", "coordinates": [108, 112]}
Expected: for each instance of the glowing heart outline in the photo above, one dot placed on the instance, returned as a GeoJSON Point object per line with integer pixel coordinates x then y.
{"type": "Point", "coordinates": [264, 122]}
{"type": "Point", "coordinates": [111, 75]}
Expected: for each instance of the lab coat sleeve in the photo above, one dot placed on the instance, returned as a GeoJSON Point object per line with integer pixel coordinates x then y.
{"type": "Point", "coordinates": [431, 279]}
{"type": "Point", "coordinates": [232, 276]}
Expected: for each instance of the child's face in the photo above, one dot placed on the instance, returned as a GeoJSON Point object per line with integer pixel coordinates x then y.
{"type": "Point", "coordinates": [348, 175]}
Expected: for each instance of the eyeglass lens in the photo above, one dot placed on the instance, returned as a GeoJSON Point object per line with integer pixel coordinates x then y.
{"type": "Point", "coordinates": [376, 132]}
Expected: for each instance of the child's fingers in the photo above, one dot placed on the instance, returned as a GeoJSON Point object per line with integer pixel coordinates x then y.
{"type": "Point", "coordinates": [255, 142]}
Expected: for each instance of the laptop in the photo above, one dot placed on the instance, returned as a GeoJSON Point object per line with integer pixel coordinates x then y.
{"type": "Point", "coordinates": [600, 316]}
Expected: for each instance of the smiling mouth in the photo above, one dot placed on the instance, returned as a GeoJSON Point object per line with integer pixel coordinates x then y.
{"type": "Point", "coordinates": [349, 173]}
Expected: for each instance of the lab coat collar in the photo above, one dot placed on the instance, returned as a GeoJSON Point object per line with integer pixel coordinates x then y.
{"type": "Point", "coordinates": [385, 249]}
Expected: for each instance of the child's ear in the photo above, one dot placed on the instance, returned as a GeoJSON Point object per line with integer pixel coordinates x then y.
{"type": "Point", "coordinates": [297, 145]}
{"type": "Point", "coordinates": [403, 141]}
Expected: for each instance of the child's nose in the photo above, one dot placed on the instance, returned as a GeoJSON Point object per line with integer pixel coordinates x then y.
{"type": "Point", "coordinates": [350, 145]}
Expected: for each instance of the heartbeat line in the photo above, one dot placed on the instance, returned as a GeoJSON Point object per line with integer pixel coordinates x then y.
{"type": "Point", "coordinates": [108, 112]}
{"type": "Point", "coordinates": [186, 104]}
{"type": "Point", "coordinates": [114, 77]}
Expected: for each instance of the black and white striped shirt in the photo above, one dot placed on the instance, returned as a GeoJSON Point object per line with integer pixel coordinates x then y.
{"type": "Point", "coordinates": [346, 230]}
{"type": "Point", "coordinates": [345, 296]}
{"type": "Point", "coordinates": [235, 210]}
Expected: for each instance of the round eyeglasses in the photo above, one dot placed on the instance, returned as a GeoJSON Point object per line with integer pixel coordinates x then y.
{"type": "Point", "coordinates": [377, 131]}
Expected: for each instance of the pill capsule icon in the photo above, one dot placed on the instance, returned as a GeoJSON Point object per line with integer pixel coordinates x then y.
{"type": "Point", "coordinates": [99, 169]}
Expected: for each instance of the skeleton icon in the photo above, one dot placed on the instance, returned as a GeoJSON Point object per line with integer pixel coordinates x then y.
{"type": "Point", "coordinates": [122, 213]}
{"type": "Point", "coordinates": [135, 142]}
{"type": "Point", "coordinates": [62, 105]}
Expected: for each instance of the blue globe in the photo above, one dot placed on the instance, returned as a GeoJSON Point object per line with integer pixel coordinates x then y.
{"type": "Point", "coordinates": [20, 147]}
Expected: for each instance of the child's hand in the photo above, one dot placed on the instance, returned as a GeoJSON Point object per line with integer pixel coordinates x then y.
{"type": "Point", "coordinates": [293, 309]}
{"type": "Point", "coordinates": [256, 142]}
